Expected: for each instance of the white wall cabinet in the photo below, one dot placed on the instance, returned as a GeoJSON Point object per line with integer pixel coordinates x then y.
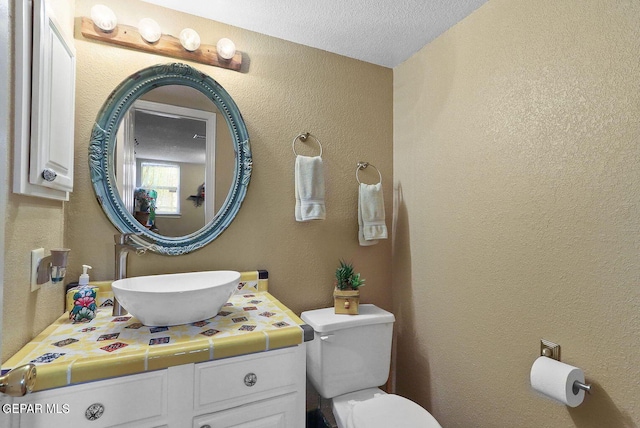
{"type": "Point", "coordinates": [262, 390]}
{"type": "Point", "coordinates": [45, 103]}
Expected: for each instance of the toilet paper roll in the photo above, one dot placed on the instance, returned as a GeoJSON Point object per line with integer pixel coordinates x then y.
{"type": "Point", "coordinates": [555, 380]}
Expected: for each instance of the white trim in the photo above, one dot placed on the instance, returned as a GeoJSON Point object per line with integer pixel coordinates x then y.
{"type": "Point", "coordinates": [5, 108]}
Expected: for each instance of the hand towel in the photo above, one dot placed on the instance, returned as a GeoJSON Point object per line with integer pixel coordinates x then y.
{"type": "Point", "coordinates": [309, 188]}
{"type": "Point", "coordinates": [371, 217]}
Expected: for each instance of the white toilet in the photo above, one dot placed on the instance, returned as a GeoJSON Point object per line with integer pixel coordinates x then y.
{"type": "Point", "coordinates": [348, 359]}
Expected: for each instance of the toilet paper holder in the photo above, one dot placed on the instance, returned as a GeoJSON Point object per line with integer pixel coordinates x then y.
{"type": "Point", "coordinates": [552, 350]}
{"type": "Point", "coordinates": [577, 386]}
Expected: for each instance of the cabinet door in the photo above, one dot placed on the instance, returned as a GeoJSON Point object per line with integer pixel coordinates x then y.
{"type": "Point", "coordinates": [135, 401]}
{"type": "Point", "coordinates": [53, 103]}
{"type": "Point", "coordinates": [277, 412]}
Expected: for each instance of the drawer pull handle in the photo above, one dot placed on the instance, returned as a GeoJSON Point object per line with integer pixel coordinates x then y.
{"type": "Point", "coordinates": [250, 379]}
{"type": "Point", "coordinates": [206, 426]}
{"type": "Point", "coordinates": [94, 411]}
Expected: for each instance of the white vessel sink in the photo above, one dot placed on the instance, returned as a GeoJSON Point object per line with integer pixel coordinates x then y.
{"type": "Point", "coordinates": [173, 299]}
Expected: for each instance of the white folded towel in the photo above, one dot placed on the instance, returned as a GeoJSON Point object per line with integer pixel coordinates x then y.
{"type": "Point", "coordinates": [309, 188]}
{"type": "Point", "coordinates": [371, 218]}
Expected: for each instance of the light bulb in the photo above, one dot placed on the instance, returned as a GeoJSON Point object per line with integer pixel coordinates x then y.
{"type": "Point", "coordinates": [226, 48]}
{"type": "Point", "coordinates": [149, 30]}
{"type": "Point", "coordinates": [189, 39]}
{"type": "Point", "coordinates": [103, 18]}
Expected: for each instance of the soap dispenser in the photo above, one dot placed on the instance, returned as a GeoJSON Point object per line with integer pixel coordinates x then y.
{"type": "Point", "coordinates": [84, 299]}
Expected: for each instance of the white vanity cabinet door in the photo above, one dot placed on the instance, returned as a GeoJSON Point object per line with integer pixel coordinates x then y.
{"type": "Point", "coordinates": [138, 401]}
{"type": "Point", "coordinates": [266, 389]}
{"type": "Point", "coordinates": [280, 412]}
{"type": "Point", "coordinates": [53, 103]}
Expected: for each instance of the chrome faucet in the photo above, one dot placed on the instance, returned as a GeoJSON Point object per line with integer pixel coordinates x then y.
{"type": "Point", "coordinates": [124, 244]}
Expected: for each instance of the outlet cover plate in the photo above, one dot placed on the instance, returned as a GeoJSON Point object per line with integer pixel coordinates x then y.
{"type": "Point", "coordinates": [36, 256]}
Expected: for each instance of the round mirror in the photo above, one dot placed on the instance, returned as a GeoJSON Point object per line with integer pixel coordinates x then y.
{"type": "Point", "coordinates": [169, 158]}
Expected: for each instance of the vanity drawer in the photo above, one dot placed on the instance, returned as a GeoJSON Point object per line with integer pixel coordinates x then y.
{"type": "Point", "coordinates": [129, 401]}
{"type": "Point", "coordinates": [234, 381]}
{"type": "Point", "coordinates": [279, 412]}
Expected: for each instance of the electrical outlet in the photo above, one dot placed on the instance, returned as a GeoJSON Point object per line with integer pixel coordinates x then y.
{"type": "Point", "coordinates": [36, 256]}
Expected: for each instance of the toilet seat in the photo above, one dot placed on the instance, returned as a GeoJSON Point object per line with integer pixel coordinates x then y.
{"type": "Point", "coordinates": [382, 410]}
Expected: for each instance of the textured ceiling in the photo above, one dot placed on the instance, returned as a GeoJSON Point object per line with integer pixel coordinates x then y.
{"type": "Point", "coordinates": [163, 138]}
{"type": "Point", "coordinates": [383, 32]}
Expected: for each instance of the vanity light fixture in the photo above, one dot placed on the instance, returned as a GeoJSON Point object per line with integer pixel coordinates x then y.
{"type": "Point", "coordinates": [187, 47]}
{"type": "Point", "coordinates": [189, 39]}
{"type": "Point", "coordinates": [103, 18]}
{"type": "Point", "coordinates": [226, 48]}
{"type": "Point", "coordinates": [149, 30]}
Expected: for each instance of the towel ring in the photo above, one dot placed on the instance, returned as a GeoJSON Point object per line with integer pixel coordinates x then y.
{"type": "Point", "coordinates": [364, 165]}
{"type": "Point", "coordinates": [303, 137]}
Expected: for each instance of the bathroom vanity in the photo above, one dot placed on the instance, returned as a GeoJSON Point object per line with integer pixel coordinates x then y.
{"type": "Point", "coordinates": [244, 367]}
{"type": "Point", "coordinates": [255, 390]}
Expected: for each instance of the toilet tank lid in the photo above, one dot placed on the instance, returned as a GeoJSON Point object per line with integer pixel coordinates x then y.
{"type": "Point", "coordinates": [325, 320]}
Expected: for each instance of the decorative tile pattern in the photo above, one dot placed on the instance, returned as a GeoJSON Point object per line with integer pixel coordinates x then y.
{"type": "Point", "coordinates": [135, 325]}
{"type": "Point", "coordinates": [281, 324]}
{"type": "Point", "coordinates": [65, 342]}
{"type": "Point", "coordinates": [200, 323]}
{"type": "Point", "coordinates": [267, 314]}
{"type": "Point", "coordinates": [110, 336]}
{"type": "Point", "coordinates": [112, 346]}
{"type": "Point", "coordinates": [46, 358]}
{"type": "Point", "coordinates": [159, 340]}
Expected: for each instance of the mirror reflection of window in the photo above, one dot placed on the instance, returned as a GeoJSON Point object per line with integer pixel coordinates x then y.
{"type": "Point", "coordinates": [165, 180]}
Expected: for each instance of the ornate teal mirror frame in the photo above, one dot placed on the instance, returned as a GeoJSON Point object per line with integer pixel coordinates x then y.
{"type": "Point", "coordinates": [102, 155]}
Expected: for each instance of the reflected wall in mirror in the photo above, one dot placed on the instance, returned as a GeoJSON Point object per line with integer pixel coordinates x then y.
{"type": "Point", "coordinates": [170, 142]}
{"type": "Point", "coordinates": [171, 133]}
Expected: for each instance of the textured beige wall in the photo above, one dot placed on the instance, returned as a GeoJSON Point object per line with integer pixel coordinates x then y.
{"type": "Point", "coordinates": [286, 89]}
{"type": "Point", "coordinates": [516, 158]}
{"type": "Point", "coordinates": [30, 223]}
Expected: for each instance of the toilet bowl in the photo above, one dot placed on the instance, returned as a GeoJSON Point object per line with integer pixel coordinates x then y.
{"type": "Point", "coordinates": [347, 361]}
{"type": "Point", "coordinates": [373, 408]}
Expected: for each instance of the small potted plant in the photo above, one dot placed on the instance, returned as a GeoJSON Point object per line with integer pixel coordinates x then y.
{"type": "Point", "coordinates": [346, 296]}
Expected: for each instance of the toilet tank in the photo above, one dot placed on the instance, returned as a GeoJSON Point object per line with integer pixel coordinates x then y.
{"type": "Point", "coordinates": [349, 352]}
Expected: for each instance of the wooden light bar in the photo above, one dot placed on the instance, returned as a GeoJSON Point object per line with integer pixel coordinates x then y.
{"type": "Point", "coordinates": [127, 36]}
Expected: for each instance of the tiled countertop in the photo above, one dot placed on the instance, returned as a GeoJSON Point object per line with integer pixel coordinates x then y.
{"type": "Point", "coordinates": [68, 353]}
